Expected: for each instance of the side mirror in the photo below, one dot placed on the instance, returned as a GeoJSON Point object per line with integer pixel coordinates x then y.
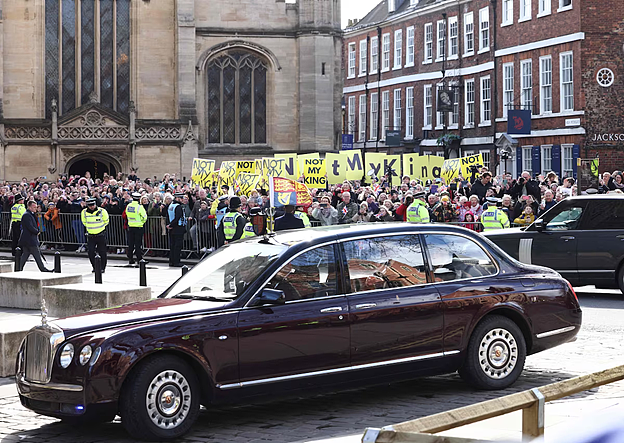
{"type": "Point", "coordinates": [271, 297]}
{"type": "Point", "coordinates": [539, 225]}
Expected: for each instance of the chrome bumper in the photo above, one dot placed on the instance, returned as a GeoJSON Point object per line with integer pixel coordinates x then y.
{"type": "Point", "coordinates": [21, 381]}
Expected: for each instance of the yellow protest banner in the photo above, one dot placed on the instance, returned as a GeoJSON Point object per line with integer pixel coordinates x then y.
{"type": "Point", "coordinates": [290, 166]}
{"type": "Point", "coordinates": [451, 169]}
{"type": "Point", "coordinates": [470, 161]}
{"type": "Point", "coordinates": [247, 166]}
{"type": "Point", "coordinates": [201, 172]}
{"type": "Point", "coordinates": [422, 167]}
{"type": "Point", "coordinates": [247, 182]}
{"type": "Point", "coordinates": [380, 163]}
{"type": "Point", "coordinates": [227, 172]}
{"type": "Point", "coordinates": [336, 167]}
{"type": "Point", "coordinates": [314, 172]}
{"type": "Point", "coordinates": [354, 164]}
{"type": "Point", "coordinates": [301, 158]}
{"type": "Point", "coordinates": [435, 166]}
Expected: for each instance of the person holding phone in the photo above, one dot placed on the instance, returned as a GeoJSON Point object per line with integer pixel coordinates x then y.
{"type": "Point", "coordinates": [325, 212]}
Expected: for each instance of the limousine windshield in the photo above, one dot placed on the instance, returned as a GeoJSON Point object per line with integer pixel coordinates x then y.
{"type": "Point", "coordinates": [225, 274]}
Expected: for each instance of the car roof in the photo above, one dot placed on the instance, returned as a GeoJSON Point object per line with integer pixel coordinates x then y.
{"type": "Point", "coordinates": [595, 197]}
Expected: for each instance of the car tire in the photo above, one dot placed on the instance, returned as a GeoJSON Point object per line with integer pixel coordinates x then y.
{"type": "Point", "coordinates": [620, 278]}
{"type": "Point", "coordinates": [160, 399]}
{"type": "Point", "coordinates": [495, 355]}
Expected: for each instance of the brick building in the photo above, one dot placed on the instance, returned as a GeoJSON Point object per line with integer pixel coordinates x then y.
{"type": "Point", "coordinates": [560, 59]}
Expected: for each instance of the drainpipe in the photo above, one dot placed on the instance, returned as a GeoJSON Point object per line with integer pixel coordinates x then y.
{"type": "Point", "coordinates": [493, 45]}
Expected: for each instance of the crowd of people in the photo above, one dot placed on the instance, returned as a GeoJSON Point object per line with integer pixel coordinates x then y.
{"type": "Point", "coordinates": [462, 201]}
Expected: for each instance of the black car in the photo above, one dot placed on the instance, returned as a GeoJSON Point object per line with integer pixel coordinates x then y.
{"type": "Point", "coordinates": [581, 237]}
{"type": "Point", "coordinates": [307, 309]}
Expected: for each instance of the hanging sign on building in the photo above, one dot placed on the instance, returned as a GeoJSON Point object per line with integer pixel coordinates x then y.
{"type": "Point", "coordinates": [519, 122]}
{"type": "Point", "coordinates": [347, 142]}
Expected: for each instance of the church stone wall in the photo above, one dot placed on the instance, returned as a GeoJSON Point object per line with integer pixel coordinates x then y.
{"type": "Point", "coordinates": [26, 161]}
{"type": "Point", "coordinates": [260, 15]}
{"type": "Point", "coordinates": [23, 58]}
{"type": "Point", "coordinates": [157, 160]}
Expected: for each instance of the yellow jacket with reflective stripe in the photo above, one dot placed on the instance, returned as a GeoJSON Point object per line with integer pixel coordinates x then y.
{"type": "Point", "coordinates": [494, 218]}
{"type": "Point", "coordinates": [417, 212]}
{"type": "Point", "coordinates": [229, 224]}
{"type": "Point", "coordinates": [304, 217]}
{"type": "Point", "coordinates": [136, 215]}
{"type": "Point", "coordinates": [248, 232]}
{"type": "Point", "coordinates": [95, 222]}
{"type": "Point", "coordinates": [17, 211]}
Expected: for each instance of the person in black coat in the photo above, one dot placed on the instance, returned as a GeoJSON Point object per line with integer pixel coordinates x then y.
{"type": "Point", "coordinates": [480, 187]}
{"type": "Point", "coordinates": [526, 186]}
{"type": "Point", "coordinates": [29, 239]}
{"type": "Point", "coordinates": [288, 220]}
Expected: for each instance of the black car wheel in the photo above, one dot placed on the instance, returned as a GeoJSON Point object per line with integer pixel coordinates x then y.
{"type": "Point", "coordinates": [495, 355]}
{"type": "Point", "coordinates": [621, 279]}
{"type": "Point", "coordinates": [160, 399]}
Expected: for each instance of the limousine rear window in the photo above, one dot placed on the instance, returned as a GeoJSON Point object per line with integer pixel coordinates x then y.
{"type": "Point", "coordinates": [225, 274]}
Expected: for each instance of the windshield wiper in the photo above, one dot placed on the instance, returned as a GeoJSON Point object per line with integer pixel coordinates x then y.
{"type": "Point", "coordinates": [200, 297]}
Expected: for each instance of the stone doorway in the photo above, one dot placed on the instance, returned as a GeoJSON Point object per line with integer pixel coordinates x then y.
{"type": "Point", "coordinates": [96, 164]}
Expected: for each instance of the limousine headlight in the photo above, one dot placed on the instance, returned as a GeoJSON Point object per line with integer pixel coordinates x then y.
{"type": "Point", "coordinates": [85, 355]}
{"type": "Point", "coordinates": [67, 355]}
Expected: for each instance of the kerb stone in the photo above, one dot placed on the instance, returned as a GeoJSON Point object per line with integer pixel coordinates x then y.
{"type": "Point", "coordinates": [25, 289]}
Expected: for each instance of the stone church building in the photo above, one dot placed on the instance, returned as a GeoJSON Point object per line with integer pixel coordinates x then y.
{"type": "Point", "coordinates": [106, 85]}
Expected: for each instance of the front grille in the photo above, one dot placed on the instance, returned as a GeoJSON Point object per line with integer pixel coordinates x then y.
{"type": "Point", "coordinates": [37, 356]}
{"type": "Point", "coordinates": [40, 347]}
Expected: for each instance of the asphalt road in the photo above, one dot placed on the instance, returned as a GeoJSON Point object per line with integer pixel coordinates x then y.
{"type": "Point", "coordinates": [599, 346]}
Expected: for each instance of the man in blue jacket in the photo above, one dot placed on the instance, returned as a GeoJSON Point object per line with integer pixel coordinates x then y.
{"type": "Point", "coordinates": [29, 240]}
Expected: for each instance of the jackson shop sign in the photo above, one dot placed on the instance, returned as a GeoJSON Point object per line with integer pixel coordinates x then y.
{"type": "Point", "coordinates": [605, 138]}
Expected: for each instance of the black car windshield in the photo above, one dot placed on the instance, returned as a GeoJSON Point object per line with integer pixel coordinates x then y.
{"type": "Point", "coordinates": [225, 274]}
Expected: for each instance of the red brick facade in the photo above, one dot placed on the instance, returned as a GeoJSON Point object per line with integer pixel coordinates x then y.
{"type": "Point", "coordinates": [566, 46]}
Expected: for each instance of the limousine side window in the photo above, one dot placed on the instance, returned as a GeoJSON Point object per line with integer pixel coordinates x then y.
{"type": "Point", "coordinates": [310, 275]}
{"type": "Point", "coordinates": [566, 220]}
{"type": "Point", "coordinates": [385, 262]}
{"type": "Point", "coordinates": [455, 258]}
{"type": "Point", "coordinates": [607, 214]}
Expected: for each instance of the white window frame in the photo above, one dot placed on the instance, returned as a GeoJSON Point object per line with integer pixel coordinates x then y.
{"type": "Point", "coordinates": [362, 119]}
{"type": "Point", "coordinates": [486, 155]}
{"type": "Point", "coordinates": [563, 8]}
{"type": "Point", "coordinates": [486, 101]}
{"type": "Point", "coordinates": [484, 30]}
{"type": "Point", "coordinates": [564, 107]}
{"type": "Point", "coordinates": [374, 112]}
{"type": "Point", "coordinates": [398, 49]}
{"type": "Point", "coordinates": [374, 55]}
{"type": "Point", "coordinates": [546, 161]}
{"type": "Point", "coordinates": [409, 113]}
{"type": "Point", "coordinates": [453, 38]}
{"type": "Point", "coordinates": [527, 159]}
{"type": "Point", "coordinates": [544, 85]}
{"type": "Point", "coordinates": [467, 153]}
{"type": "Point", "coordinates": [526, 84]}
{"type": "Point", "coordinates": [441, 42]}
{"type": "Point", "coordinates": [427, 107]}
{"type": "Point", "coordinates": [454, 115]}
{"type": "Point", "coordinates": [428, 44]}
{"type": "Point", "coordinates": [544, 8]}
{"type": "Point", "coordinates": [508, 87]}
{"type": "Point", "coordinates": [351, 115]}
{"type": "Point", "coordinates": [439, 115]}
{"type": "Point", "coordinates": [525, 11]}
{"type": "Point", "coordinates": [385, 113]}
{"type": "Point", "coordinates": [565, 149]}
{"type": "Point", "coordinates": [363, 57]}
{"type": "Point", "coordinates": [351, 72]}
{"type": "Point", "coordinates": [410, 50]}
{"type": "Point", "coordinates": [385, 52]}
{"type": "Point", "coordinates": [438, 154]}
{"type": "Point", "coordinates": [469, 100]}
{"type": "Point", "coordinates": [398, 105]}
{"type": "Point", "coordinates": [507, 13]}
{"type": "Point", "coordinates": [469, 40]}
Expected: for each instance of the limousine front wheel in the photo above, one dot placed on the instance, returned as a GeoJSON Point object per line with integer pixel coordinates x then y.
{"type": "Point", "coordinates": [160, 399]}
{"type": "Point", "coordinates": [495, 355]}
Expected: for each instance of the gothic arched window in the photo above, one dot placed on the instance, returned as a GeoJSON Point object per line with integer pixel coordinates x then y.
{"type": "Point", "coordinates": [99, 32]}
{"type": "Point", "coordinates": [237, 98]}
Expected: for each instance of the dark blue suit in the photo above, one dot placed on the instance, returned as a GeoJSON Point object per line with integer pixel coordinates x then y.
{"type": "Point", "coordinates": [288, 221]}
{"type": "Point", "coordinates": [29, 241]}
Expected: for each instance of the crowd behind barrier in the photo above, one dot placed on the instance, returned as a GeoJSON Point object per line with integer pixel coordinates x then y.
{"type": "Point", "coordinates": [382, 200]}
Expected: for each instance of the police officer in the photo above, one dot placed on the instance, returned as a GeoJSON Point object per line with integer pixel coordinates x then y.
{"type": "Point", "coordinates": [17, 212]}
{"type": "Point", "coordinates": [177, 228]}
{"type": "Point", "coordinates": [136, 215]}
{"type": "Point", "coordinates": [494, 217]}
{"type": "Point", "coordinates": [233, 223]}
{"type": "Point", "coordinates": [301, 215]}
{"type": "Point", "coordinates": [417, 212]}
{"type": "Point", "coordinates": [95, 220]}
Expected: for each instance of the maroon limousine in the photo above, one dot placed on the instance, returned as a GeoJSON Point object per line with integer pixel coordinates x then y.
{"type": "Point", "coordinates": [356, 304]}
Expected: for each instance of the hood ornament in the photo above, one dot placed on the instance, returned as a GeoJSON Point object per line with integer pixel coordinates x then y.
{"type": "Point", "coordinates": [44, 313]}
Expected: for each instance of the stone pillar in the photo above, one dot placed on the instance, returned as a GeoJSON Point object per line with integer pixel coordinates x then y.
{"type": "Point", "coordinates": [2, 65]}
{"type": "Point", "coordinates": [187, 106]}
{"type": "Point", "coordinates": [189, 150]}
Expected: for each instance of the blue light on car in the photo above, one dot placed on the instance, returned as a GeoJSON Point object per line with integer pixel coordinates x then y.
{"type": "Point", "coordinates": [79, 408]}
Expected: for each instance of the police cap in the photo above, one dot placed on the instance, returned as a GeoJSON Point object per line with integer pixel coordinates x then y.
{"type": "Point", "coordinates": [235, 202]}
{"type": "Point", "coordinates": [91, 201]}
{"type": "Point", "coordinates": [179, 195]}
{"type": "Point", "coordinates": [256, 211]}
{"type": "Point", "coordinates": [421, 194]}
{"type": "Point", "coordinates": [19, 198]}
{"type": "Point", "coordinates": [136, 196]}
{"type": "Point", "coordinates": [492, 200]}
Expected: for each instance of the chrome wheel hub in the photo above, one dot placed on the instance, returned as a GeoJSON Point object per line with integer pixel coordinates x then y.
{"type": "Point", "coordinates": [168, 399]}
{"type": "Point", "coordinates": [498, 353]}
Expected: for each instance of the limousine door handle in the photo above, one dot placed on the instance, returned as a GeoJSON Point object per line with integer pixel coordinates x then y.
{"type": "Point", "coordinates": [621, 237]}
{"type": "Point", "coordinates": [335, 309]}
{"type": "Point", "coordinates": [366, 306]}
{"type": "Point", "coordinates": [567, 237]}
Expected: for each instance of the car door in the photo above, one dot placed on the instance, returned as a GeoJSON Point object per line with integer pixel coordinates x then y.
{"type": "Point", "coordinates": [601, 241]}
{"type": "Point", "coordinates": [395, 313]}
{"type": "Point", "coordinates": [555, 246]}
{"type": "Point", "coordinates": [309, 332]}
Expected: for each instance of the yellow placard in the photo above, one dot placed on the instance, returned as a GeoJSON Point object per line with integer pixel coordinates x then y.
{"type": "Point", "coordinates": [468, 162]}
{"type": "Point", "coordinates": [300, 160]}
{"type": "Point", "coordinates": [336, 167]}
{"type": "Point", "coordinates": [246, 166]}
{"type": "Point", "coordinates": [227, 172]}
{"type": "Point", "coordinates": [355, 165]}
{"type": "Point", "coordinates": [290, 165]}
{"type": "Point", "coordinates": [379, 163]}
{"type": "Point", "coordinates": [451, 169]}
{"type": "Point", "coordinates": [247, 182]}
{"type": "Point", "coordinates": [314, 172]}
{"type": "Point", "coordinates": [201, 173]}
